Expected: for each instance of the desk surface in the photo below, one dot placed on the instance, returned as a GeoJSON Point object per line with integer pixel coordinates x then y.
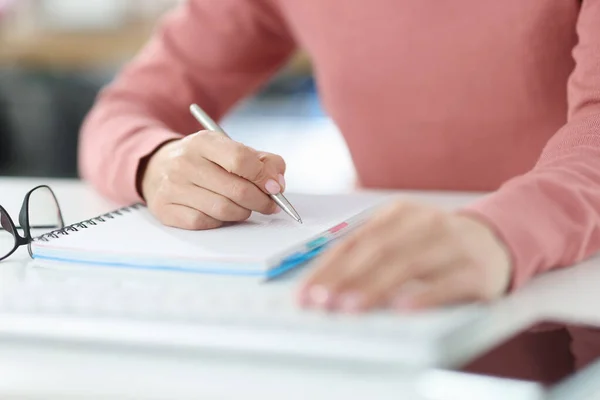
{"type": "Point", "coordinates": [569, 295]}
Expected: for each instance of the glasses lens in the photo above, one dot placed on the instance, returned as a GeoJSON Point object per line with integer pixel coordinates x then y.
{"type": "Point", "coordinates": [44, 214]}
{"type": "Point", "coordinates": [7, 236]}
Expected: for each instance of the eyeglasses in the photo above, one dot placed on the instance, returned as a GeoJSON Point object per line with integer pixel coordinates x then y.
{"type": "Point", "coordinates": [40, 214]}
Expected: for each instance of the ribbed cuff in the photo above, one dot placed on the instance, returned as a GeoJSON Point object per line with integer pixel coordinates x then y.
{"type": "Point", "coordinates": [509, 216]}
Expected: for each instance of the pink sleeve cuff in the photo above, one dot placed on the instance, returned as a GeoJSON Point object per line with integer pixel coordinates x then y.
{"type": "Point", "coordinates": [118, 177]}
{"type": "Point", "coordinates": [514, 226]}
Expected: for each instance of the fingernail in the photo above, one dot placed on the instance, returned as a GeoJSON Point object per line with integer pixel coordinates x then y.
{"type": "Point", "coordinates": [319, 296]}
{"type": "Point", "coordinates": [350, 302]}
{"type": "Point", "coordinates": [277, 209]}
{"type": "Point", "coordinates": [282, 181]}
{"type": "Point", "coordinates": [272, 187]}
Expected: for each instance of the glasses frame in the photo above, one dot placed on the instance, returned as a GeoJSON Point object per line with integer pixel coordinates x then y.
{"type": "Point", "coordinates": [26, 239]}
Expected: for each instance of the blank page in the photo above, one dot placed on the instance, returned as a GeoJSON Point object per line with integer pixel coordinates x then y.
{"type": "Point", "coordinates": [139, 236]}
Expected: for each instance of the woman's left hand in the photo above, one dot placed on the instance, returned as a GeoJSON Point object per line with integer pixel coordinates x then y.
{"type": "Point", "coordinates": [410, 256]}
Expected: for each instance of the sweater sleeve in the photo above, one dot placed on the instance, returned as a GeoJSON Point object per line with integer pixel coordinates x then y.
{"type": "Point", "coordinates": [208, 52]}
{"type": "Point", "coordinates": [550, 216]}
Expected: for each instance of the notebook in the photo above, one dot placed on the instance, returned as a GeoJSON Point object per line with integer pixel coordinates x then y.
{"type": "Point", "coordinates": [262, 246]}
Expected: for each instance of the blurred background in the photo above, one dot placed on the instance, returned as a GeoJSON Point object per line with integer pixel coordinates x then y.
{"type": "Point", "coordinates": [55, 55]}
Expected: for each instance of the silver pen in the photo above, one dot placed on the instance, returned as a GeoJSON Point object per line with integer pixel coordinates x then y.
{"type": "Point", "coordinates": [211, 125]}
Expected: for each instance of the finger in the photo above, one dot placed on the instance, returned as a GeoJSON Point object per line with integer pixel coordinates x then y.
{"type": "Point", "coordinates": [378, 245]}
{"type": "Point", "coordinates": [338, 266]}
{"type": "Point", "coordinates": [374, 287]}
{"type": "Point", "coordinates": [276, 163]}
{"type": "Point", "coordinates": [208, 175]}
{"type": "Point", "coordinates": [375, 245]}
{"type": "Point", "coordinates": [237, 159]}
{"type": "Point", "coordinates": [184, 217]}
{"type": "Point", "coordinates": [343, 249]}
{"type": "Point", "coordinates": [212, 204]}
{"type": "Point", "coordinates": [344, 262]}
{"type": "Point", "coordinates": [458, 285]}
{"type": "Point", "coordinates": [314, 291]}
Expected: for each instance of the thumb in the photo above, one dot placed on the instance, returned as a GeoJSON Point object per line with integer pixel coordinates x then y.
{"type": "Point", "coordinates": [274, 169]}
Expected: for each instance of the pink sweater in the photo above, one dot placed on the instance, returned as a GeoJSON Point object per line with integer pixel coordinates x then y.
{"type": "Point", "coordinates": [499, 96]}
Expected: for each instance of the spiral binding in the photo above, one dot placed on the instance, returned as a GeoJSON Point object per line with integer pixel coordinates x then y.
{"type": "Point", "coordinates": [88, 223]}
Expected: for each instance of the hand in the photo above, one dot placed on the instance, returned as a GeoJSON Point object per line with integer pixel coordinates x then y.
{"type": "Point", "coordinates": [206, 179]}
{"type": "Point", "coordinates": [410, 257]}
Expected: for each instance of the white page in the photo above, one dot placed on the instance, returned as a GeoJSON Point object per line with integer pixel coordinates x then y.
{"type": "Point", "coordinates": [138, 236]}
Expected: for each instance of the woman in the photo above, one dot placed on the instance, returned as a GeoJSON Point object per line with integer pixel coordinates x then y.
{"type": "Point", "coordinates": [469, 95]}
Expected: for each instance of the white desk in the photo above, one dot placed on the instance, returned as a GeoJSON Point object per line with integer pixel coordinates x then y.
{"type": "Point", "coordinates": [29, 371]}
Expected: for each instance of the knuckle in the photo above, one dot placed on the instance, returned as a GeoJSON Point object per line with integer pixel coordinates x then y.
{"type": "Point", "coordinates": [198, 221]}
{"type": "Point", "coordinates": [386, 213]}
{"type": "Point", "coordinates": [241, 192]}
{"type": "Point", "coordinates": [210, 224]}
{"type": "Point", "coordinates": [385, 251]}
{"type": "Point", "coordinates": [280, 163]}
{"type": "Point", "coordinates": [391, 208]}
{"type": "Point", "coordinates": [184, 154]}
{"type": "Point", "coordinates": [225, 210]}
{"type": "Point", "coordinates": [221, 209]}
{"type": "Point", "coordinates": [407, 205]}
{"type": "Point", "coordinates": [243, 215]}
{"type": "Point", "coordinates": [241, 158]}
{"type": "Point", "coordinates": [208, 135]}
{"type": "Point", "coordinates": [191, 224]}
{"type": "Point", "coordinates": [236, 162]}
{"type": "Point", "coordinates": [198, 138]}
{"type": "Point", "coordinates": [187, 219]}
{"type": "Point", "coordinates": [395, 208]}
{"type": "Point", "coordinates": [436, 220]}
{"type": "Point", "coordinates": [187, 148]}
{"type": "Point", "coordinates": [258, 175]}
{"type": "Point", "coordinates": [175, 169]}
{"type": "Point", "coordinates": [399, 206]}
{"type": "Point", "coordinates": [189, 145]}
{"type": "Point", "coordinates": [169, 218]}
{"type": "Point", "coordinates": [186, 140]}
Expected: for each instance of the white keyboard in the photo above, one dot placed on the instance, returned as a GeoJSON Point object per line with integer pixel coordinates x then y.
{"type": "Point", "coordinates": [254, 318]}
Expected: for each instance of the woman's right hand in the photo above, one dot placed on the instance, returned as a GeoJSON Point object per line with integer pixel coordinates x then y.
{"type": "Point", "coordinates": [206, 179]}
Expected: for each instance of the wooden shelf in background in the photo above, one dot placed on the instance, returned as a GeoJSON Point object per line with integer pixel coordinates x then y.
{"type": "Point", "coordinates": [90, 50]}
{"type": "Point", "coordinates": [74, 50]}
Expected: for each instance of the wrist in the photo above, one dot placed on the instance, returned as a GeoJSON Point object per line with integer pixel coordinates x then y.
{"type": "Point", "coordinates": [498, 252]}
{"type": "Point", "coordinates": [145, 166]}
